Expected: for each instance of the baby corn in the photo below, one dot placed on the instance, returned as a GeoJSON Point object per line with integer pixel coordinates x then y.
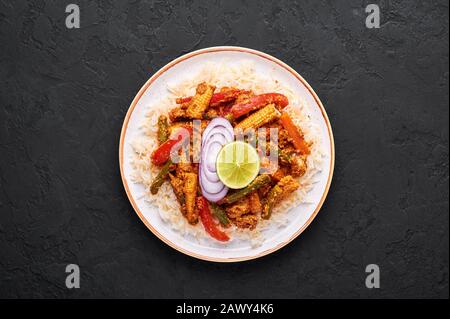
{"type": "Point", "coordinates": [177, 186]}
{"type": "Point", "coordinates": [259, 118]}
{"type": "Point", "coordinates": [190, 192]}
{"type": "Point", "coordinates": [200, 101]}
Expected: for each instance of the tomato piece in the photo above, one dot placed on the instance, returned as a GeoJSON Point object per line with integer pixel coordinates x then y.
{"type": "Point", "coordinates": [208, 221]}
{"type": "Point", "coordinates": [162, 153]}
{"type": "Point", "coordinates": [224, 96]}
{"type": "Point", "coordinates": [258, 101]}
{"type": "Point", "coordinates": [295, 133]}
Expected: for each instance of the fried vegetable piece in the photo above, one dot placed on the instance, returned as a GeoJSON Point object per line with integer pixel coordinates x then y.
{"type": "Point", "coordinates": [279, 174]}
{"type": "Point", "coordinates": [163, 129]}
{"type": "Point", "coordinates": [240, 213]}
{"type": "Point", "coordinates": [298, 165]}
{"type": "Point", "coordinates": [226, 94]}
{"type": "Point", "coordinates": [263, 191]}
{"type": "Point", "coordinates": [284, 156]}
{"type": "Point", "coordinates": [190, 193]}
{"type": "Point", "coordinates": [211, 113]}
{"type": "Point", "coordinates": [239, 208]}
{"type": "Point", "coordinates": [246, 221]}
{"type": "Point", "coordinates": [220, 214]}
{"type": "Point", "coordinates": [184, 167]}
{"type": "Point", "coordinates": [284, 139]}
{"type": "Point", "coordinates": [219, 111]}
{"type": "Point", "coordinates": [178, 113]}
{"type": "Point", "coordinates": [200, 101]}
{"type": "Point", "coordinates": [177, 186]}
{"type": "Point", "coordinates": [258, 182]}
{"type": "Point", "coordinates": [208, 222]}
{"type": "Point", "coordinates": [283, 188]}
{"type": "Point", "coordinates": [255, 203]}
{"type": "Point", "coordinates": [160, 178]}
{"type": "Point", "coordinates": [294, 132]}
{"type": "Point", "coordinates": [295, 163]}
{"type": "Point", "coordinates": [258, 101]}
{"type": "Point", "coordinates": [259, 118]}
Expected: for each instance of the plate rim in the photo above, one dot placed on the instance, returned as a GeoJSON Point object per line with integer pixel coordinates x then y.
{"type": "Point", "coordinates": [182, 58]}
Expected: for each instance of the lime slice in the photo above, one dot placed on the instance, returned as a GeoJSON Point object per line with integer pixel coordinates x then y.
{"type": "Point", "coordinates": [237, 164]}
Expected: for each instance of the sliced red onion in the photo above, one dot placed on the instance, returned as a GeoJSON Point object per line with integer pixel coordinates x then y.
{"type": "Point", "coordinates": [213, 149]}
{"type": "Point", "coordinates": [218, 133]}
{"type": "Point", "coordinates": [210, 176]}
{"type": "Point", "coordinates": [214, 197]}
{"type": "Point", "coordinates": [212, 187]}
{"type": "Point", "coordinates": [218, 122]}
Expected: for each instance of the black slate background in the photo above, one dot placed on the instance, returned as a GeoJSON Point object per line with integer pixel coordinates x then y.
{"type": "Point", "coordinates": [64, 94]}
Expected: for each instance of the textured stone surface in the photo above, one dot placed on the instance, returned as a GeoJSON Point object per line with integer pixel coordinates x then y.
{"type": "Point", "coordinates": [64, 94]}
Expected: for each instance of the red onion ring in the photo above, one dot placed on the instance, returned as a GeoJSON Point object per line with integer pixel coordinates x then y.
{"type": "Point", "coordinates": [218, 133]}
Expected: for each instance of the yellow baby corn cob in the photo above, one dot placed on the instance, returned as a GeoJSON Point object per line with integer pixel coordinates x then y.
{"type": "Point", "coordinates": [190, 192]}
{"type": "Point", "coordinates": [259, 118]}
{"type": "Point", "coordinates": [200, 101]}
{"type": "Point", "coordinates": [178, 189]}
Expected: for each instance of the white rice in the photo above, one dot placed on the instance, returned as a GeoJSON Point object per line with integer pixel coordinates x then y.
{"type": "Point", "coordinates": [242, 76]}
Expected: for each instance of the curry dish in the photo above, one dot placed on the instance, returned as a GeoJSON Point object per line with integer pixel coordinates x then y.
{"type": "Point", "coordinates": [218, 209]}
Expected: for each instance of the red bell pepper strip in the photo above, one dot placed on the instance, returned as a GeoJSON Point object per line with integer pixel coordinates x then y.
{"type": "Point", "coordinates": [217, 98]}
{"type": "Point", "coordinates": [208, 222]}
{"type": "Point", "coordinates": [258, 101]}
{"type": "Point", "coordinates": [162, 153]}
{"type": "Point", "coordinates": [295, 133]}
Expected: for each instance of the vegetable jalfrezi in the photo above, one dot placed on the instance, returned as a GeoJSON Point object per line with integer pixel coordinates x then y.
{"type": "Point", "coordinates": [220, 208]}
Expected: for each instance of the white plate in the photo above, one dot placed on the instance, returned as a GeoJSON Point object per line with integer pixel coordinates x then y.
{"type": "Point", "coordinates": [182, 68]}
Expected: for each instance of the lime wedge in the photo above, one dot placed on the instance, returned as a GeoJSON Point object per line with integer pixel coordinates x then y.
{"type": "Point", "coordinates": [237, 164]}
